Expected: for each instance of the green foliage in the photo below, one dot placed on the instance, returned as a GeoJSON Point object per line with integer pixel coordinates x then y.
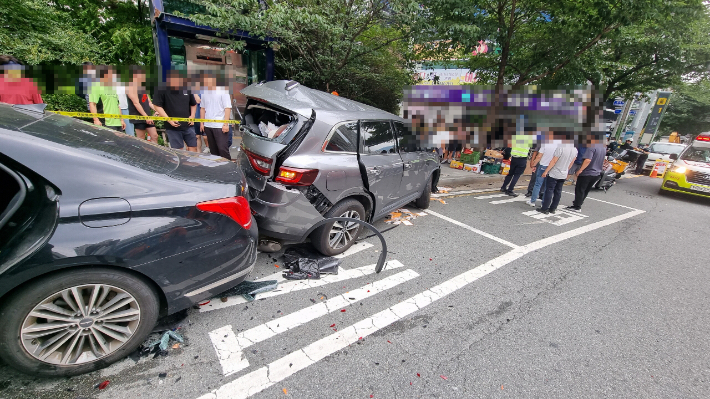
{"type": "Point", "coordinates": [355, 47]}
{"type": "Point", "coordinates": [121, 28]}
{"type": "Point", "coordinates": [558, 42]}
{"type": "Point", "coordinates": [688, 111]}
{"type": "Point", "coordinates": [75, 31]}
{"type": "Point", "coordinates": [64, 102]}
{"type": "Point", "coordinates": [654, 54]}
{"type": "Point", "coordinates": [36, 33]}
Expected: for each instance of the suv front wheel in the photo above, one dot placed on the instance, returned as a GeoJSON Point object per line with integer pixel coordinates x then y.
{"type": "Point", "coordinates": [337, 237]}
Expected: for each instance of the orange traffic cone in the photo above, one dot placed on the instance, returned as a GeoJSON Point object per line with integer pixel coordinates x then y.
{"type": "Point", "coordinates": [654, 172]}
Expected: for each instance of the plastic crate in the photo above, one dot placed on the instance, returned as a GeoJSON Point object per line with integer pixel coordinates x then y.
{"type": "Point", "coordinates": [471, 159]}
{"type": "Point", "coordinates": [491, 169]}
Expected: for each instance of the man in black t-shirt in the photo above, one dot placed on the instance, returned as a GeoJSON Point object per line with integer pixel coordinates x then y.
{"type": "Point", "coordinates": [177, 101]}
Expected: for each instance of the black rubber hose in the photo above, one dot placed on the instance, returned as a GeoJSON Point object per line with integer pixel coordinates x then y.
{"type": "Point", "coordinates": [380, 262]}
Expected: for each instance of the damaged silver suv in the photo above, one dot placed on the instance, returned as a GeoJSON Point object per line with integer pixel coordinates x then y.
{"type": "Point", "coordinates": [309, 155]}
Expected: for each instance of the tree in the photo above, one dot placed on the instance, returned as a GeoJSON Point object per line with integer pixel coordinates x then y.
{"type": "Point", "coordinates": [688, 110]}
{"type": "Point", "coordinates": [36, 33]}
{"type": "Point", "coordinates": [121, 28]}
{"type": "Point", "coordinates": [539, 39]}
{"type": "Point", "coordinates": [352, 46]}
{"type": "Point", "coordinates": [652, 55]}
{"type": "Point", "coordinates": [75, 31]}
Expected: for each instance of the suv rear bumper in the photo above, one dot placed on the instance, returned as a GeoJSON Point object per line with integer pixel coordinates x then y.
{"type": "Point", "coordinates": [283, 213]}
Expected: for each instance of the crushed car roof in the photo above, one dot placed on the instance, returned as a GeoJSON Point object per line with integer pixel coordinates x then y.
{"type": "Point", "coordinates": [304, 100]}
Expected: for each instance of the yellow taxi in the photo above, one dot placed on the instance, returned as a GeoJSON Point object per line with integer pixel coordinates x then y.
{"type": "Point", "coordinates": [690, 171]}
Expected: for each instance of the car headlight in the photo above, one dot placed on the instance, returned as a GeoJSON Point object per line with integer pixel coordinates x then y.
{"type": "Point", "coordinates": [679, 169]}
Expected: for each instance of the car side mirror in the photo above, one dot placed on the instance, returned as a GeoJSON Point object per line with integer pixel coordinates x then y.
{"type": "Point", "coordinates": [673, 156]}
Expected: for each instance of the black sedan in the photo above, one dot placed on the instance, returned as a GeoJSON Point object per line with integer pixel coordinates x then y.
{"type": "Point", "coordinates": [101, 234]}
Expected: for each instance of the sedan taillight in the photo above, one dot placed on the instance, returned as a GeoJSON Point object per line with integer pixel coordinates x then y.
{"type": "Point", "coordinates": [260, 164]}
{"type": "Point", "coordinates": [236, 208]}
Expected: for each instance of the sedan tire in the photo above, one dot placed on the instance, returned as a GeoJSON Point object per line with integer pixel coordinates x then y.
{"type": "Point", "coordinates": [76, 321]}
{"type": "Point", "coordinates": [337, 237]}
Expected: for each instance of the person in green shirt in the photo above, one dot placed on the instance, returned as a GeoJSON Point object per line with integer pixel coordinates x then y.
{"type": "Point", "coordinates": [105, 91]}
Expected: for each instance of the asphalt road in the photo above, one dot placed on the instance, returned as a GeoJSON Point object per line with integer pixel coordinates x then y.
{"type": "Point", "coordinates": [482, 298]}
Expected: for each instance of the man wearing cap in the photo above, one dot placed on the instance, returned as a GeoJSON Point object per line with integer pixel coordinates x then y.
{"type": "Point", "coordinates": [14, 88]}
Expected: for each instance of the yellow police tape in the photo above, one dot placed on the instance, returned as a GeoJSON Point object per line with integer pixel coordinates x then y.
{"type": "Point", "coordinates": [138, 117]}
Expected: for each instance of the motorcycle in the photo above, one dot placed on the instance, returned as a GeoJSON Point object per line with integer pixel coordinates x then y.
{"type": "Point", "coordinates": [614, 167]}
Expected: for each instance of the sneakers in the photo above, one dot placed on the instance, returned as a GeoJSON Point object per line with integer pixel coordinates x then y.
{"type": "Point", "coordinates": [546, 212]}
{"type": "Point", "coordinates": [573, 208]}
{"type": "Point", "coordinates": [528, 195]}
{"type": "Point", "coordinates": [502, 190]}
{"type": "Point", "coordinates": [531, 203]}
{"type": "Point", "coordinates": [512, 194]}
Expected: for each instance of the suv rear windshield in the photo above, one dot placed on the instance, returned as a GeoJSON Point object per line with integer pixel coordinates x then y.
{"type": "Point", "coordinates": [267, 121]}
{"type": "Point", "coordinates": [117, 146]}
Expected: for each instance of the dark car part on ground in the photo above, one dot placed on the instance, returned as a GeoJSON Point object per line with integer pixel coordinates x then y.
{"type": "Point", "coordinates": [101, 233]}
{"type": "Point", "coordinates": [383, 255]}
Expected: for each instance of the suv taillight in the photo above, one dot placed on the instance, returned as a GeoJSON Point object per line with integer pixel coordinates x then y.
{"type": "Point", "coordinates": [236, 208]}
{"type": "Point", "coordinates": [296, 177]}
{"type": "Point", "coordinates": [260, 164]}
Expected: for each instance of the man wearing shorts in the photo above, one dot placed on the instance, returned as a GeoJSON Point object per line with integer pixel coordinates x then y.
{"type": "Point", "coordinates": [177, 101]}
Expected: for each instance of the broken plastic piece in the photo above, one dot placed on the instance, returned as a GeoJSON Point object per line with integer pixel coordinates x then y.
{"type": "Point", "coordinates": [342, 310]}
{"type": "Point", "coordinates": [164, 340]}
{"type": "Point", "coordinates": [176, 346]}
{"type": "Point", "coordinates": [285, 391]}
{"type": "Point", "coordinates": [203, 303]}
{"type": "Point", "coordinates": [443, 377]}
{"type": "Point", "coordinates": [249, 289]}
{"type": "Point", "coordinates": [418, 375]}
{"type": "Point", "coordinates": [332, 325]}
{"type": "Point", "coordinates": [104, 384]}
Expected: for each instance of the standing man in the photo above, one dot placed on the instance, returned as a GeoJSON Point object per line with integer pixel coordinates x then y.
{"type": "Point", "coordinates": [216, 104]}
{"type": "Point", "coordinates": [177, 101]}
{"type": "Point", "coordinates": [105, 91]}
{"type": "Point", "coordinates": [588, 172]}
{"type": "Point", "coordinates": [123, 104]}
{"type": "Point", "coordinates": [577, 162]}
{"type": "Point", "coordinates": [520, 146]}
{"type": "Point", "coordinates": [540, 163]}
{"type": "Point", "coordinates": [555, 175]}
{"type": "Point", "coordinates": [14, 88]}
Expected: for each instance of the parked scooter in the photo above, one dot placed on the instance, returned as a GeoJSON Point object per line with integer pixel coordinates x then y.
{"type": "Point", "coordinates": [613, 169]}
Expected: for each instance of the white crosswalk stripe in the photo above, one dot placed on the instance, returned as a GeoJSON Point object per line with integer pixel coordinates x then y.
{"type": "Point", "coordinates": [289, 286]}
{"type": "Point", "coordinates": [230, 347]}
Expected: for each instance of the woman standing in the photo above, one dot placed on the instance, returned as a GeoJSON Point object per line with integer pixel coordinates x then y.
{"type": "Point", "coordinates": [139, 104]}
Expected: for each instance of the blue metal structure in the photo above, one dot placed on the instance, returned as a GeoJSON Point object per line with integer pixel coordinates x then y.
{"type": "Point", "coordinates": [167, 26]}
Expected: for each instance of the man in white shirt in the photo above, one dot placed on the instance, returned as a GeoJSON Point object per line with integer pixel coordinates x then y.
{"type": "Point", "coordinates": [556, 175]}
{"type": "Point", "coordinates": [216, 104]}
{"type": "Point", "coordinates": [123, 104]}
{"type": "Point", "coordinates": [539, 164]}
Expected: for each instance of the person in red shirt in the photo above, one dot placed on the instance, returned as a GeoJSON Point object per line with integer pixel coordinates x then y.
{"type": "Point", "coordinates": [14, 88]}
